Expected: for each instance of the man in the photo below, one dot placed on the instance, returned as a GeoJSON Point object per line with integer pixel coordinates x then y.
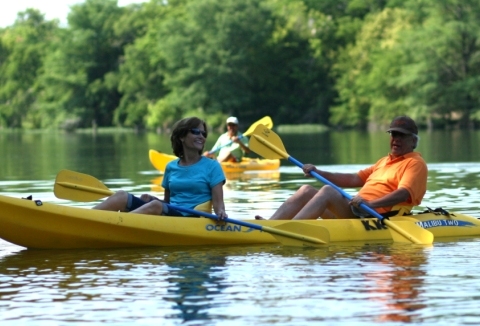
{"type": "Point", "coordinates": [232, 145]}
{"type": "Point", "coordinates": [399, 179]}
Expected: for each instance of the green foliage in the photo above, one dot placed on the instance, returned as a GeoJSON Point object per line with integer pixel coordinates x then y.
{"type": "Point", "coordinates": [80, 76]}
{"type": "Point", "coordinates": [345, 63]}
{"type": "Point", "coordinates": [23, 48]}
{"type": "Point", "coordinates": [366, 71]}
{"type": "Point", "coordinates": [301, 128]}
{"type": "Point", "coordinates": [422, 60]}
{"type": "Point", "coordinates": [442, 73]}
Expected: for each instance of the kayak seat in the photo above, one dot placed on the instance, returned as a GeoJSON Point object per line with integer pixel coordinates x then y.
{"type": "Point", "coordinates": [205, 207]}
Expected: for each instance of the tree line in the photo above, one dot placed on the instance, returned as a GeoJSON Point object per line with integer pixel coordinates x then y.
{"type": "Point", "coordinates": [341, 63]}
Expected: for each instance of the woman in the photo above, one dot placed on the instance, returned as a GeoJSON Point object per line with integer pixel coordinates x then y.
{"type": "Point", "coordinates": [189, 181]}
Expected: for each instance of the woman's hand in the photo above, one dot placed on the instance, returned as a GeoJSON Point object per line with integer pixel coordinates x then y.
{"type": "Point", "coordinates": [148, 198]}
{"type": "Point", "coordinates": [222, 215]}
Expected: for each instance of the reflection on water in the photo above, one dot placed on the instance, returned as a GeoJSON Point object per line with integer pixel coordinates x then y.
{"type": "Point", "coordinates": [398, 287]}
{"type": "Point", "coordinates": [253, 284]}
{"type": "Point", "coordinates": [196, 279]}
{"type": "Point", "coordinates": [261, 285]}
{"type": "Point", "coordinates": [182, 284]}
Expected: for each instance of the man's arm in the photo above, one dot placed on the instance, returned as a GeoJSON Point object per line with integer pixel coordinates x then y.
{"type": "Point", "coordinates": [342, 180]}
{"type": "Point", "coordinates": [243, 143]}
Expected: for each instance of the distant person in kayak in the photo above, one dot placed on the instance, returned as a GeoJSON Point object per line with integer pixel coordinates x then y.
{"type": "Point", "coordinates": [232, 146]}
{"type": "Point", "coordinates": [398, 180]}
{"type": "Point", "coordinates": [189, 181]}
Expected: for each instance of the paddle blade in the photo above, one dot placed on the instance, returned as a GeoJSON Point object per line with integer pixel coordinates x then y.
{"type": "Point", "coordinates": [409, 232]}
{"type": "Point", "coordinates": [299, 234]}
{"type": "Point", "coordinates": [160, 160]}
{"type": "Point", "coordinates": [267, 143]}
{"type": "Point", "coordinates": [157, 184]}
{"type": "Point", "coordinates": [266, 121]}
{"type": "Point", "coordinates": [79, 187]}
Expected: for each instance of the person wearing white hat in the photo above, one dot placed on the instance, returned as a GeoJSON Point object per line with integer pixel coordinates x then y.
{"type": "Point", "coordinates": [232, 145]}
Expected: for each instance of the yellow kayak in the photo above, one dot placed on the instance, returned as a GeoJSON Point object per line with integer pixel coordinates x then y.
{"type": "Point", "coordinates": [35, 224]}
{"type": "Point", "coordinates": [160, 160]}
{"type": "Point", "coordinates": [271, 176]}
{"type": "Point", "coordinates": [250, 164]}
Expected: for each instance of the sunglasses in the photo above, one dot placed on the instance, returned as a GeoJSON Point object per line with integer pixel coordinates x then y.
{"type": "Point", "coordinates": [196, 132]}
{"type": "Point", "coordinates": [231, 125]}
{"type": "Point", "coordinates": [395, 134]}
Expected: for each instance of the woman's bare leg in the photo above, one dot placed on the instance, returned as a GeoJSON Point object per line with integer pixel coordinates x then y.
{"type": "Point", "coordinates": [154, 207]}
{"type": "Point", "coordinates": [116, 202]}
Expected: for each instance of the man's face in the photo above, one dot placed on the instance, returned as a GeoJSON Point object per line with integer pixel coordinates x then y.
{"type": "Point", "coordinates": [232, 128]}
{"type": "Point", "coordinates": [401, 144]}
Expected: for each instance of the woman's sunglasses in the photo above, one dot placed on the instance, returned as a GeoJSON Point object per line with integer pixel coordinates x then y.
{"type": "Point", "coordinates": [196, 132]}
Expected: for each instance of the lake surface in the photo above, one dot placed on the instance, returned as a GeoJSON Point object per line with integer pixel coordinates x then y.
{"type": "Point", "coordinates": [358, 284]}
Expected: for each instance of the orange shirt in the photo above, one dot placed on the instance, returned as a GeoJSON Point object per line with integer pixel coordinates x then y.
{"type": "Point", "coordinates": [388, 174]}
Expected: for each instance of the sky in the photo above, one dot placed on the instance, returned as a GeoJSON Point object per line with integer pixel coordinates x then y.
{"type": "Point", "coordinates": [50, 8]}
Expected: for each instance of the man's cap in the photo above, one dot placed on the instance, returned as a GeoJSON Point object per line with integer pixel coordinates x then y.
{"type": "Point", "coordinates": [233, 120]}
{"type": "Point", "coordinates": [403, 124]}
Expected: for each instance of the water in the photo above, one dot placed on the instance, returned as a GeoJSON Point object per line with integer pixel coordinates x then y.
{"type": "Point", "coordinates": [358, 284]}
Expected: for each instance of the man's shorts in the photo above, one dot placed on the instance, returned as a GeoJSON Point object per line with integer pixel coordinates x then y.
{"type": "Point", "coordinates": [362, 214]}
{"type": "Point", "coordinates": [359, 213]}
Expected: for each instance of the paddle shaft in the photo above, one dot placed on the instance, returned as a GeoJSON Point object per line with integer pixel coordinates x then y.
{"type": "Point", "coordinates": [398, 229]}
{"type": "Point", "coordinates": [284, 154]}
{"type": "Point", "coordinates": [250, 225]}
{"type": "Point", "coordinates": [279, 232]}
{"type": "Point", "coordinates": [340, 190]}
{"type": "Point", "coordinates": [224, 145]}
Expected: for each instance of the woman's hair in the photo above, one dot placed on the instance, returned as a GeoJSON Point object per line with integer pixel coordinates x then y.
{"type": "Point", "coordinates": [180, 129]}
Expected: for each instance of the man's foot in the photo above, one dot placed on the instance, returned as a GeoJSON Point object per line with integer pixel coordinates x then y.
{"type": "Point", "coordinates": [258, 217]}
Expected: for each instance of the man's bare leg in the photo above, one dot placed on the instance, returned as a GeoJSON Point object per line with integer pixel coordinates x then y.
{"type": "Point", "coordinates": [293, 205]}
{"type": "Point", "coordinates": [326, 203]}
{"type": "Point", "coordinates": [225, 157]}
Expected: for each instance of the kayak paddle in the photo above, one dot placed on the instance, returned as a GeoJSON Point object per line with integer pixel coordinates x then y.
{"type": "Point", "coordinates": [77, 186]}
{"type": "Point", "coordinates": [266, 121]}
{"type": "Point", "coordinates": [160, 160]}
{"type": "Point", "coordinates": [268, 144]}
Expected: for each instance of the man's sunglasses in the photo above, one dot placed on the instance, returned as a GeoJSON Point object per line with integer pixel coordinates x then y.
{"type": "Point", "coordinates": [196, 132]}
{"type": "Point", "coordinates": [395, 134]}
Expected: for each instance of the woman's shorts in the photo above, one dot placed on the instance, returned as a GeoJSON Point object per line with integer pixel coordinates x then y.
{"type": "Point", "coordinates": [134, 202]}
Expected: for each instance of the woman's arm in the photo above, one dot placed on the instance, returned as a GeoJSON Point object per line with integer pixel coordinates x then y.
{"type": "Point", "coordinates": [166, 196]}
{"type": "Point", "coordinates": [217, 201]}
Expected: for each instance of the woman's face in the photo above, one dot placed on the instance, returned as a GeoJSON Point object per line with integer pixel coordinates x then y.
{"type": "Point", "coordinates": [195, 138]}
